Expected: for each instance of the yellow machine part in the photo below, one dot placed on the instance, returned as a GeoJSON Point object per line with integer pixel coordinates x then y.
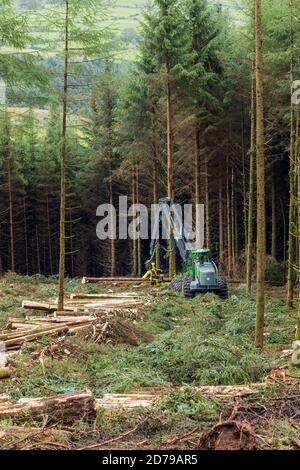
{"type": "Point", "coordinates": [154, 275]}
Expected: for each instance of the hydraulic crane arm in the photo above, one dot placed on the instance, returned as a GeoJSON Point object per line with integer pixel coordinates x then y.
{"type": "Point", "coordinates": [169, 216]}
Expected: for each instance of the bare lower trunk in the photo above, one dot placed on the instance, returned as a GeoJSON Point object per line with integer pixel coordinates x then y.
{"type": "Point", "coordinates": [221, 220]}
{"type": "Point", "coordinates": [298, 222]}
{"type": "Point", "coordinates": [63, 167]}
{"type": "Point", "coordinates": [25, 237]}
{"type": "Point", "coordinates": [274, 220]}
{"type": "Point", "coordinates": [113, 263]}
{"type": "Point", "coordinates": [228, 218]}
{"type": "Point", "coordinates": [197, 164]}
{"type": "Point", "coordinates": [134, 241]}
{"type": "Point", "coordinates": [155, 201]}
{"type": "Point", "coordinates": [38, 257]}
{"type": "Point", "coordinates": [207, 208]}
{"type": "Point", "coordinates": [249, 266]}
{"type": "Point", "coordinates": [139, 246]}
{"type": "Point", "coordinates": [260, 158]}
{"type": "Point", "coordinates": [49, 236]}
{"type": "Point", "coordinates": [170, 168]}
{"type": "Point", "coordinates": [244, 178]}
{"type": "Point", "coordinates": [232, 212]}
{"type": "Point", "coordinates": [11, 220]}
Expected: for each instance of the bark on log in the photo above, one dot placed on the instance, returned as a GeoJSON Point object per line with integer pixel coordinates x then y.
{"type": "Point", "coordinates": [64, 409]}
{"type": "Point", "coordinates": [5, 373]}
{"type": "Point", "coordinates": [18, 342]}
{"type": "Point", "coordinates": [43, 306]}
{"type": "Point", "coordinates": [122, 295]}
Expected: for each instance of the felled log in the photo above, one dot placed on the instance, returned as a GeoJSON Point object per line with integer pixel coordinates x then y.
{"type": "Point", "coordinates": [228, 391]}
{"type": "Point", "coordinates": [64, 409]}
{"type": "Point", "coordinates": [96, 280]}
{"type": "Point", "coordinates": [5, 373]}
{"type": "Point", "coordinates": [18, 342]}
{"type": "Point", "coordinates": [65, 319]}
{"type": "Point", "coordinates": [146, 400]}
{"type": "Point", "coordinates": [128, 401]}
{"type": "Point", "coordinates": [121, 295]}
{"type": "Point", "coordinates": [41, 306]}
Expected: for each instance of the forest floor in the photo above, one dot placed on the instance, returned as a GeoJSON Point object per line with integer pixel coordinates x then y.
{"type": "Point", "coordinates": [184, 344]}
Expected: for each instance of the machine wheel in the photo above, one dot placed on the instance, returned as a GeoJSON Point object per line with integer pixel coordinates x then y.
{"type": "Point", "coordinates": [223, 288]}
{"type": "Point", "coordinates": [186, 288]}
{"type": "Point", "coordinates": [176, 284]}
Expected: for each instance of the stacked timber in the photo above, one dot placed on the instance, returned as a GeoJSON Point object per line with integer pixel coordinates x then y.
{"type": "Point", "coordinates": [90, 313]}
{"type": "Point", "coordinates": [85, 303]}
{"type": "Point", "coordinates": [18, 332]}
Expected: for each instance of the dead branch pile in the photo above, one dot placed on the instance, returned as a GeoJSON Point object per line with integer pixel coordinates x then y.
{"type": "Point", "coordinates": [60, 348]}
{"type": "Point", "coordinates": [115, 330]}
{"type": "Point", "coordinates": [102, 329]}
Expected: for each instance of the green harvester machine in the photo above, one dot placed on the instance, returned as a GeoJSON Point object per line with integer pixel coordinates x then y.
{"type": "Point", "coordinates": [201, 274]}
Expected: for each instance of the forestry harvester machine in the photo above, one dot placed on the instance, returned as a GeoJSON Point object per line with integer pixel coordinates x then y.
{"type": "Point", "coordinates": [201, 272]}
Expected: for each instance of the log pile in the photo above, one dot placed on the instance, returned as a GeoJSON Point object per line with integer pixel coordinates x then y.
{"type": "Point", "coordinates": [104, 329]}
{"type": "Point", "coordinates": [18, 332]}
{"type": "Point", "coordinates": [84, 303]}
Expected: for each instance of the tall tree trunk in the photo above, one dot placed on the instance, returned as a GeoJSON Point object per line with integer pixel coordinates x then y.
{"type": "Point", "coordinates": [197, 165]}
{"type": "Point", "coordinates": [291, 248]}
{"type": "Point", "coordinates": [139, 246]}
{"type": "Point", "coordinates": [232, 212]}
{"type": "Point", "coordinates": [1, 263]}
{"type": "Point", "coordinates": [251, 189]}
{"type": "Point", "coordinates": [155, 199]}
{"type": "Point", "coordinates": [274, 219]}
{"type": "Point", "coordinates": [71, 241]}
{"type": "Point", "coordinates": [207, 207]}
{"type": "Point", "coordinates": [112, 238]}
{"type": "Point", "coordinates": [49, 234]}
{"type": "Point", "coordinates": [25, 236]}
{"type": "Point", "coordinates": [170, 165]}
{"type": "Point", "coordinates": [260, 159]}
{"type": "Point", "coordinates": [63, 167]}
{"type": "Point", "coordinates": [221, 220]}
{"type": "Point", "coordinates": [134, 241]}
{"type": "Point", "coordinates": [298, 221]}
{"type": "Point", "coordinates": [244, 177]}
{"type": "Point", "coordinates": [38, 256]}
{"type": "Point", "coordinates": [228, 218]}
{"type": "Point", "coordinates": [11, 220]}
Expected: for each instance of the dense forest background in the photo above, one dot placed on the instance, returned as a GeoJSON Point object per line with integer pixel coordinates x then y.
{"type": "Point", "coordinates": [171, 82]}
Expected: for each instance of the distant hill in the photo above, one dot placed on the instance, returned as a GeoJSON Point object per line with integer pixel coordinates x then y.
{"type": "Point", "coordinates": [125, 15]}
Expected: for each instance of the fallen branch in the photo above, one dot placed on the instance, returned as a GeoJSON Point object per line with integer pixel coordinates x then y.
{"type": "Point", "coordinates": [115, 439]}
{"type": "Point", "coordinates": [183, 436]}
